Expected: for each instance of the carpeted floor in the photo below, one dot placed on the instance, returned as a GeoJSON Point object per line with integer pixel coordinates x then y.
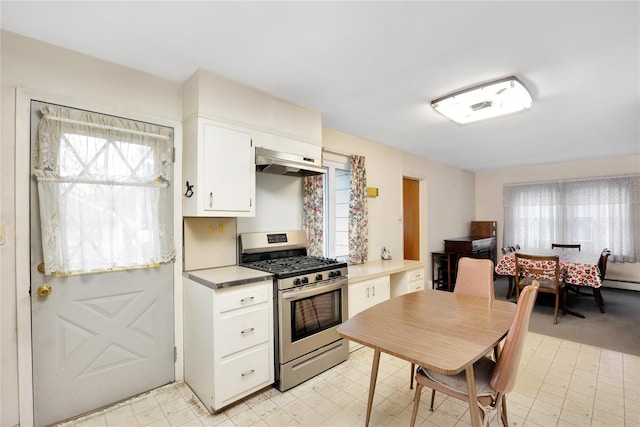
{"type": "Point", "coordinates": [618, 328]}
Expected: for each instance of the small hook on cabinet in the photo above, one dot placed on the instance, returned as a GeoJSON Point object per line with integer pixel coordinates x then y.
{"type": "Point", "coordinates": [189, 191]}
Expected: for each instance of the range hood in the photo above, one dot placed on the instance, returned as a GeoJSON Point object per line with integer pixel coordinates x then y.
{"type": "Point", "coordinates": [280, 163]}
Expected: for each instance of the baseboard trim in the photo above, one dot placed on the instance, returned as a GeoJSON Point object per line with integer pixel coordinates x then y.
{"type": "Point", "coordinates": [629, 285]}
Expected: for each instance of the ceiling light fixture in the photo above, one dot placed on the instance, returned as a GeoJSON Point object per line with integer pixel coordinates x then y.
{"type": "Point", "coordinates": [493, 99]}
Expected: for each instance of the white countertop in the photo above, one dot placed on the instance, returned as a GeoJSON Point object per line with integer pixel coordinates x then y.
{"type": "Point", "coordinates": [223, 277]}
{"type": "Point", "coordinates": [379, 268]}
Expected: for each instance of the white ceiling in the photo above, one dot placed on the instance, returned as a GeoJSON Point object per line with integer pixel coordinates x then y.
{"type": "Point", "coordinates": [371, 68]}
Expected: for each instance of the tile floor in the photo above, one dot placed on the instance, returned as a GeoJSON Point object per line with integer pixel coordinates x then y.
{"type": "Point", "coordinates": [561, 383]}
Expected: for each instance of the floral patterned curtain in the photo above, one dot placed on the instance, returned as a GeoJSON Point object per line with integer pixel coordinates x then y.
{"type": "Point", "coordinates": [358, 212]}
{"type": "Point", "coordinates": [313, 212]}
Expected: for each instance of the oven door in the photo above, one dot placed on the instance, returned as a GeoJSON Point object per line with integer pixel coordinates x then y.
{"type": "Point", "coordinates": [309, 317]}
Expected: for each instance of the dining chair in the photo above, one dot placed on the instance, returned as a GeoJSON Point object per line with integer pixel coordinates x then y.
{"type": "Point", "coordinates": [602, 269]}
{"type": "Point", "coordinates": [566, 246]}
{"type": "Point", "coordinates": [475, 277]}
{"type": "Point", "coordinates": [508, 250]}
{"type": "Point", "coordinates": [493, 379]}
{"type": "Point", "coordinates": [546, 271]}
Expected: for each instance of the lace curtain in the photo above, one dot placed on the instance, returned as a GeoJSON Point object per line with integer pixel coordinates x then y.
{"type": "Point", "coordinates": [313, 212]}
{"type": "Point", "coordinates": [596, 213]}
{"type": "Point", "coordinates": [104, 192]}
{"type": "Point", "coordinates": [358, 212]}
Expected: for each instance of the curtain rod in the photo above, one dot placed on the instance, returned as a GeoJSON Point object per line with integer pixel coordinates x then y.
{"type": "Point", "coordinates": [131, 131]}
{"type": "Point", "coordinates": [340, 153]}
{"type": "Point", "coordinates": [629, 175]}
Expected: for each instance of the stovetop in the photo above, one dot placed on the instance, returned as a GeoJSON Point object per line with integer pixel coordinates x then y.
{"type": "Point", "coordinates": [296, 265]}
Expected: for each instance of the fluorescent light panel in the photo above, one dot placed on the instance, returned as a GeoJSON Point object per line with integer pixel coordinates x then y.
{"type": "Point", "coordinates": [485, 101]}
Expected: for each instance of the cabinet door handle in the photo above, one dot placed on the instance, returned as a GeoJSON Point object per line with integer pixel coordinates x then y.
{"type": "Point", "coordinates": [367, 292]}
{"type": "Point", "coordinates": [246, 300]}
{"type": "Point", "coordinates": [374, 291]}
{"type": "Point", "coordinates": [246, 331]}
{"type": "Point", "coordinates": [210, 200]}
{"type": "Point", "coordinates": [246, 374]}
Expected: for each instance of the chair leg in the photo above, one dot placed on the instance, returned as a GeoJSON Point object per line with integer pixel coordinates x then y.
{"type": "Point", "coordinates": [505, 422]}
{"type": "Point", "coordinates": [416, 403]}
{"type": "Point", "coordinates": [555, 311]}
{"type": "Point", "coordinates": [510, 290]}
{"type": "Point", "coordinates": [599, 300]}
{"type": "Point", "coordinates": [433, 398]}
{"type": "Point", "coordinates": [413, 371]}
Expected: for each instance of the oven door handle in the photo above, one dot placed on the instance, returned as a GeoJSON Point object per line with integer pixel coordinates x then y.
{"type": "Point", "coordinates": [315, 290]}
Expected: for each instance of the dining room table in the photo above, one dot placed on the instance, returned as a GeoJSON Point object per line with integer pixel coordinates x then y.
{"type": "Point", "coordinates": [576, 267]}
{"type": "Point", "coordinates": [442, 331]}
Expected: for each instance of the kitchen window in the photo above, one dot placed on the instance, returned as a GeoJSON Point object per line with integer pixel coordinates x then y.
{"type": "Point", "coordinates": [336, 205]}
{"type": "Point", "coordinates": [597, 213]}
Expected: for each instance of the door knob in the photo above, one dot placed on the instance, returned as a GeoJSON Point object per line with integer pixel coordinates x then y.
{"type": "Point", "coordinates": [44, 290]}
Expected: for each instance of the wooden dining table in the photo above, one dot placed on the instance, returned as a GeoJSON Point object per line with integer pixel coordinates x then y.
{"type": "Point", "coordinates": [442, 331]}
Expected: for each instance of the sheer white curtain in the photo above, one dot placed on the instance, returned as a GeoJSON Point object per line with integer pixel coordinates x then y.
{"type": "Point", "coordinates": [598, 213]}
{"type": "Point", "coordinates": [103, 188]}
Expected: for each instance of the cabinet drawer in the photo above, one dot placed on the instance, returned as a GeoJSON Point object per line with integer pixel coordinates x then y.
{"type": "Point", "coordinates": [416, 274]}
{"type": "Point", "coordinates": [242, 329]}
{"type": "Point", "coordinates": [242, 296]}
{"type": "Point", "coordinates": [416, 286]}
{"type": "Point", "coordinates": [243, 372]}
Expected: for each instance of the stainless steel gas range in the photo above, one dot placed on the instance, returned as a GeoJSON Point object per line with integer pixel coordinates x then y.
{"type": "Point", "coordinates": [311, 302]}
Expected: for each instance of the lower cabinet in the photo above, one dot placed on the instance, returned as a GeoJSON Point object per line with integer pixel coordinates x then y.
{"type": "Point", "coordinates": [228, 341]}
{"type": "Point", "coordinates": [365, 294]}
{"type": "Point", "coordinates": [407, 281]}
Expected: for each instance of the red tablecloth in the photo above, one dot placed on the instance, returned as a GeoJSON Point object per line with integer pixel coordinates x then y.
{"type": "Point", "coordinates": [578, 268]}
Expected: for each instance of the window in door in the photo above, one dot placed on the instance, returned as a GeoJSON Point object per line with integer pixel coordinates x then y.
{"type": "Point", "coordinates": [104, 190]}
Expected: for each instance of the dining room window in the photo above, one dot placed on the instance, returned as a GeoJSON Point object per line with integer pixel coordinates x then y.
{"type": "Point", "coordinates": [597, 213]}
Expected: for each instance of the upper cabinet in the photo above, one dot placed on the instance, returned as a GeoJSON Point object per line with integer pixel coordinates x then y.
{"type": "Point", "coordinates": [219, 169]}
{"type": "Point", "coordinates": [223, 122]}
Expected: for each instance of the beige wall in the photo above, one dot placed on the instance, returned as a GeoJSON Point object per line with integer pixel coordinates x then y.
{"type": "Point", "coordinates": [489, 195]}
{"type": "Point", "coordinates": [33, 65]}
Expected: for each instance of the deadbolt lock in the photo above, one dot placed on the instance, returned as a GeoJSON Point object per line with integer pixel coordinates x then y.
{"type": "Point", "coordinates": [44, 290]}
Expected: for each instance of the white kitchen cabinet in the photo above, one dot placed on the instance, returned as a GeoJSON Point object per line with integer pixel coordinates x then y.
{"type": "Point", "coordinates": [365, 294]}
{"type": "Point", "coordinates": [228, 341]}
{"type": "Point", "coordinates": [219, 169]}
{"type": "Point", "coordinates": [407, 282]}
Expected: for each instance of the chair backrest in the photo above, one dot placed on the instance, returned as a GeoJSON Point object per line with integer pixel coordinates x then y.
{"type": "Point", "coordinates": [475, 277]}
{"type": "Point", "coordinates": [538, 267]}
{"type": "Point", "coordinates": [563, 246]}
{"type": "Point", "coordinates": [602, 263]}
{"type": "Point", "coordinates": [503, 377]}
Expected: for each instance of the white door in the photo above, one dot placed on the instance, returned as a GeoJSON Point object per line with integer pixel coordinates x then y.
{"type": "Point", "coordinates": [96, 338]}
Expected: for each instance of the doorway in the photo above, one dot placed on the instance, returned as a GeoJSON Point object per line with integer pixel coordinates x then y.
{"type": "Point", "coordinates": [411, 218]}
{"type": "Point", "coordinates": [96, 338]}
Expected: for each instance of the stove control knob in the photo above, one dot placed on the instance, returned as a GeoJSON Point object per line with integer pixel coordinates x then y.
{"type": "Point", "coordinates": [318, 277]}
{"type": "Point", "coordinates": [332, 274]}
{"type": "Point", "coordinates": [338, 273]}
{"type": "Point", "coordinates": [305, 279]}
{"type": "Point", "coordinates": [296, 282]}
